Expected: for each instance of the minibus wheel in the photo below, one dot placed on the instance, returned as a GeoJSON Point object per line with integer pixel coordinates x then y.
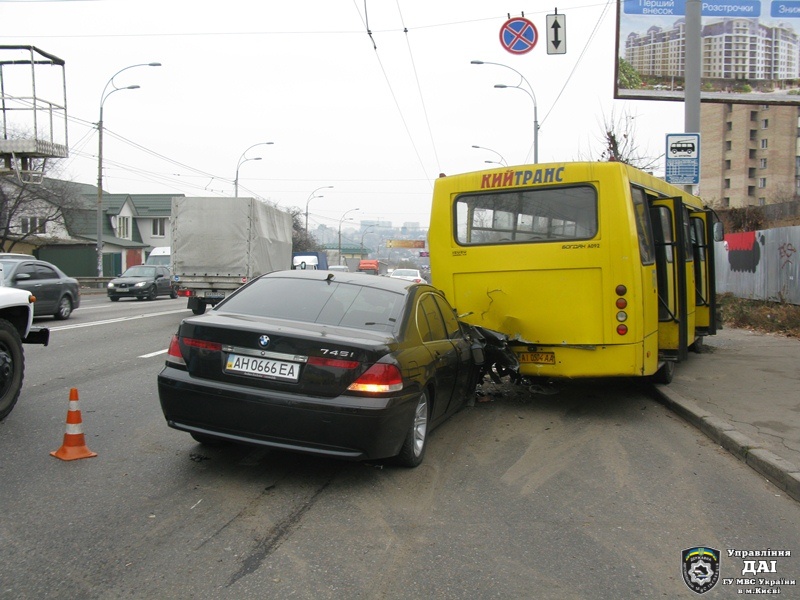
{"type": "Point", "coordinates": [665, 373]}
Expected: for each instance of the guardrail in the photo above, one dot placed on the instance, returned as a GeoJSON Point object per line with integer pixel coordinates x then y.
{"type": "Point", "coordinates": [94, 283]}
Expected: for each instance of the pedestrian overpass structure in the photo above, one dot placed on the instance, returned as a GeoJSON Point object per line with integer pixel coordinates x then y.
{"type": "Point", "coordinates": [33, 112]}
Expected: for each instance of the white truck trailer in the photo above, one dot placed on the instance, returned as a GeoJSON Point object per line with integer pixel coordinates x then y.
{"type": "Point", "coordinates": [218, 244]}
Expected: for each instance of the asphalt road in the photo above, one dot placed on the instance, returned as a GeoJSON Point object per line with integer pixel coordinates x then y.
{"type": "Point", "coordinates": [592, 492]}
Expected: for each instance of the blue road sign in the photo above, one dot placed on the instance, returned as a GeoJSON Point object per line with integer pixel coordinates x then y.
{"type": "Point", "coordinates": [683, 158]}
{"type": "Point", "coordinates": [518, 35]}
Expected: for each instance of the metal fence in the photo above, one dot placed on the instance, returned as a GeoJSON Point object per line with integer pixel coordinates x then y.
{"type": "Point", "coordinates": [760, 265]}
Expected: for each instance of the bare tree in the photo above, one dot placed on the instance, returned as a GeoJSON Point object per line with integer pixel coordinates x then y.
{"type": "Point", "coordinates": [619, 143]}
{"type": "Point", "coordinates": [29, 210]}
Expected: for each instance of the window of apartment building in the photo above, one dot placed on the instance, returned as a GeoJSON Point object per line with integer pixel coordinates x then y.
{"type": "Point", "coordinates": [762, 201]}
{"type": "Point", "coordinates": [728, 145]}
{"type": "Point", "coordinates": [751, 190]}
{"type": "Point", "coordinates": [762, 182]}
{"type": "Point", "coordinates": [124, 227]}
{"type": "Point", "coordinates": [726, 202]}
{"type": "Point", "coordinates": [763, 144]}
{"type": "Point", "coordinates": [159, 227]}
{"type": "Point", "coordinates": [762, 163]}
{"type": "Point", "coordinates": [753, 134]}
{"type": "Point", "coordinates": [751, 172]}
{"type": "Point", "coordinates": [32, 224]}
{"type": "Point", "coordinates": [754, 115]}
{"type": "Point", "coordinates": [764, 123]}
{"type": "Point", "coordinates": [727, 184]}
{"type": "Point", "coordinates": [729, 126]}
{"type": "Point", "coordinates": [751, 154]}
{"type": "Point", "coordinates": [727, 165]}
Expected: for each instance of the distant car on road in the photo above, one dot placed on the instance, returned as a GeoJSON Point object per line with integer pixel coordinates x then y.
{"type": "Point", "coordinates": [56, 293]}
{"type": "Point", "coordinates": [344, 366]}
{"type": "Point", "coordinates": [340, 268]}
{"type": "Point", "coordinates": [409, 275]}
{"type": "Point", "coordinates": [143, 282]}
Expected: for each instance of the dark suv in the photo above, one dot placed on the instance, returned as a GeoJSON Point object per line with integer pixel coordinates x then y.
{"type": "Point", "coordinates": [142, 282]}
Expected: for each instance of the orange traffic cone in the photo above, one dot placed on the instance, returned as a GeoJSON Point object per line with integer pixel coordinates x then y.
{"type": "Point", "coordinates": [74, 446]}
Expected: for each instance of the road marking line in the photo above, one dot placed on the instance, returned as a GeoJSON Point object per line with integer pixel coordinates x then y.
{"type": "Point", "coordinates": [118, 320]}
{"type": "Point", "coordinates": [152, 354]}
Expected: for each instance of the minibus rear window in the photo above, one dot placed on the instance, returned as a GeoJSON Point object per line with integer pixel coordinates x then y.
{"type": "Point", "coordinates": [530, 215]}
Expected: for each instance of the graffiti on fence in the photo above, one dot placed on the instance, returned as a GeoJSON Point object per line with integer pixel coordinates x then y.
{"type": "Point", "coordinates": [786, 252]}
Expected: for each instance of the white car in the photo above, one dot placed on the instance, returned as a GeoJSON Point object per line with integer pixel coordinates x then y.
{"type": "Point", "coordinates": [16, 318]}
{"type": "Point", "coordinates": [408, 274]}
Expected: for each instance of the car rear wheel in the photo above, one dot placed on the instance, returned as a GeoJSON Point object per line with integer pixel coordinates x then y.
{"type": "Point", "coordinates": [114, 298]}
{"type": "Point", "coordinates": [173, 293]}
{"type": "Point", "coordinates": [64, 308]}
{"type": "Point", "coordinates": [413, 450]}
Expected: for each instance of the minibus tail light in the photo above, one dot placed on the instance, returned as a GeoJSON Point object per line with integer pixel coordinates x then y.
{"type": "Point", "coordinates": [621, 303]}
{"type": "Point", "coordinates": [621, 290]}
{"type": "Point", "coordinates": [622, 329]}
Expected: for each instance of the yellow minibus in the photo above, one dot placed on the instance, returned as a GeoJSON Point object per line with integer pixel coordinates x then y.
{"type": "Point", "coordinates": [592, 269]}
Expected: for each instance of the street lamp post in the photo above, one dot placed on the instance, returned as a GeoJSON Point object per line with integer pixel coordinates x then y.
{"type": "Point", "coordinates": [362, 237]}
{"type": "Point", "coordinates": [311, 197]}
{"type": "Point", "coordinates": [243, 160]}
{"type": "Point", "coordinates": [103, 97]}
{"type": "Point", "coordinates": [340, 231]}
{"type": "Point", "coordinates": [502, 160]}
{"type": "Point", "coordinates": [530, 93]}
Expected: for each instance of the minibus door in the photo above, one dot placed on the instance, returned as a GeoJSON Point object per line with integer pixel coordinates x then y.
{"type": "Point", "coordinates": [702, 227]}
{"type": "Point", "coordinates": [667, 217]}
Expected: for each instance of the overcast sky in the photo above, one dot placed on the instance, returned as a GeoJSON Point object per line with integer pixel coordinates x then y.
{"type": "Point", "coordinates": [378, 118]}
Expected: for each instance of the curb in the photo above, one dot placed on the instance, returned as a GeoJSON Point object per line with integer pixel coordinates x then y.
{"type": "Point", "coordinates": [782, 473]}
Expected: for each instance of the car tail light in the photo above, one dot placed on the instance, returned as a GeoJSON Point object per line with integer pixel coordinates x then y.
{"type": "Point", "coordinates": [174, 355]}
{"type": "Point", "coordinates": [337, 363]}
{"type": "Point", "coordinates": [377, 379]}
{"type": "Point", "coordinates": [202, 344]}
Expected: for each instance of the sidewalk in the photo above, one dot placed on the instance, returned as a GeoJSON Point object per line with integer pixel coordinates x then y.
{"type": "Point", "coordinates": [743, 391]}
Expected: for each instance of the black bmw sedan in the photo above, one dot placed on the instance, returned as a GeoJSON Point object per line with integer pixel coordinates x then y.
{"type": "Point", "coordinates": [334, 364]}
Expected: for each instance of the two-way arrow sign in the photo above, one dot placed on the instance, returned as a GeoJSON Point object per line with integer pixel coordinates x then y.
{"type": "Point", "coordinates": [556, 34]}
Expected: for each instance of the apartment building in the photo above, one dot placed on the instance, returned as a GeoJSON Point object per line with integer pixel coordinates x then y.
{"type": "Point", "coordinates": [750, 154]}
{"type": "Point", "coordinates": [732, 49]}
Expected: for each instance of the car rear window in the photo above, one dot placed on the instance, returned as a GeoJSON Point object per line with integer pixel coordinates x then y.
{"type": "Point", "coordinates": [318, 301]}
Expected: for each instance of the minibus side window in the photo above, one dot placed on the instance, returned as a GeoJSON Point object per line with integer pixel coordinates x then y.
{"type": "Point", "coordinates": [643, 229]}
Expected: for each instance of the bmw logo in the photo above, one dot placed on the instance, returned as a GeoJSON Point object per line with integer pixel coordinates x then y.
{"type": "Point", "coordinates": [263, 341]}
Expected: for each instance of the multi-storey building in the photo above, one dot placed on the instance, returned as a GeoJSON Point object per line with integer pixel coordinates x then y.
{"type": "Point", "coordinates": [750, 154]}
{"type": "Point", "coordinates": [732, 49]}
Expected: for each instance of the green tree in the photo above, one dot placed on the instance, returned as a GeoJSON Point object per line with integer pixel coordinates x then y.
{"type": "Point", "coordinates": [628, 77]}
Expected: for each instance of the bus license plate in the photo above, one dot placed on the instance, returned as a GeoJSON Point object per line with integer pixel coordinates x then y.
{"type": "Point", "coordinates": [261, 367]}
{"type": "Point", "coordinates": [539, 358]}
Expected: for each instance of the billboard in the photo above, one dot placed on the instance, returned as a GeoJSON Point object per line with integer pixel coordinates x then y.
{"type": "Point", "coordinates": [750, 50]}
